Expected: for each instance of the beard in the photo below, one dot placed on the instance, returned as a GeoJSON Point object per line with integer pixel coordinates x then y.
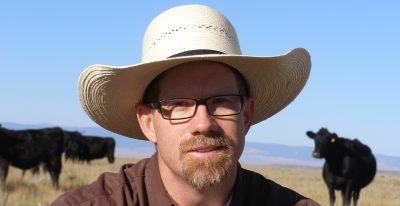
{"type": "Point", "coordinates": [206, 172]}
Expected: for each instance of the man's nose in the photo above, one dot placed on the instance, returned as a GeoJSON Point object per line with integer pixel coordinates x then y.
{"type": "Point", "coordinates": [202, 122]}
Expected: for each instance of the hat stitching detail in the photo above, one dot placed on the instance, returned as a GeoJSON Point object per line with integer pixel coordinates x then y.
{"type": "Point", "coordinates": [194, 26]}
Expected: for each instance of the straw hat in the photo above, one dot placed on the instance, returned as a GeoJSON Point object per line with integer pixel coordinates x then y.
{"type": "Point", "coordinates": [183, 34]}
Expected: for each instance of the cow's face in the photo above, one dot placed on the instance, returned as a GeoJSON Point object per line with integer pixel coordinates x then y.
{"type": "Point", "coordinates": [323, 142]}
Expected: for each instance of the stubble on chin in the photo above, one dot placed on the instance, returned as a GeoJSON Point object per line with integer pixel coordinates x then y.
{"type": "Point", "coordinates": [203, 173]}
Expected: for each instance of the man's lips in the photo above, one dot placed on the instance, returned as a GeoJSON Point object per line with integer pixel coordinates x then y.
{"type": "Point", "coordinates": [205, 152]}
{"type": "Point", "coordinates": [206, 149]}
{"type": "Point", "coordinates": [204, 146]}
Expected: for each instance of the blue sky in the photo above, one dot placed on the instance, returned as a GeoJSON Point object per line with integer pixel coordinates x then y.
{"type": "Point", "coordinates": [353, 88]}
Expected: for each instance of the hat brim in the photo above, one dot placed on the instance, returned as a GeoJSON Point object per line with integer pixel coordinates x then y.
{"type": "Point", "coordinates": [109, 94]}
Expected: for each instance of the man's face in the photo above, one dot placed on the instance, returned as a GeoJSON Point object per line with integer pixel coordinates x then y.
{"type": "Point", "coordinates": [203, 149]}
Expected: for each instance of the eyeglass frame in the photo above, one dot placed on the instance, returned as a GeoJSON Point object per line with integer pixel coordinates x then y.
{"type": "Point", "coordinates": [199, 101]}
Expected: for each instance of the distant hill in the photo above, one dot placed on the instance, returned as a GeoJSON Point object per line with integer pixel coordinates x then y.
{"type": "Point", "coordinates": [254, 153]}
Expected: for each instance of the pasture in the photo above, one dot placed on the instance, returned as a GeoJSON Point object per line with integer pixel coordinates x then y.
{"type": "Point", "coordinates": [36, 190]}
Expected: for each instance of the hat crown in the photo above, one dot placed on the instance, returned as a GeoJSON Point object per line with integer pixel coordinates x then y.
{"type": "Point", "coordinates": [187, 28]}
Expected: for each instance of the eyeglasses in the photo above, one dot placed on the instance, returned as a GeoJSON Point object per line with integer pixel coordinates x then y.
{"type": "Point", "coordinates": [184, 108]}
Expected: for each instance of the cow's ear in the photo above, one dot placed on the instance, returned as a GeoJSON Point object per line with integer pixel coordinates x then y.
{"type": "Point", "coordinates": [145, 118]}
{"type": "Point", "coordinates": [310, 134]}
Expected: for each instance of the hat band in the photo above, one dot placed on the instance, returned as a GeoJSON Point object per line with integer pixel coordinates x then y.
{"type": "Point", "coordinates": [195, 52]}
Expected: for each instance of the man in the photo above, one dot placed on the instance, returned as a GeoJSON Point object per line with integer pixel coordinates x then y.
{"type": "Point", "coordinates": [195, 97]}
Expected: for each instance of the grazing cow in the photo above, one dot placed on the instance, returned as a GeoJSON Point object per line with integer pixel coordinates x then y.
{"type": "Point", "coordinates": [100, 147]}
{"type": "Point", "coordinates": [88, 148]}
{"type": "Point", "coordinates": [75, 146]}
{"type": "Point", "coordinates": [26, 149]}
{"type": "Point", "coordinates": [349, 165]}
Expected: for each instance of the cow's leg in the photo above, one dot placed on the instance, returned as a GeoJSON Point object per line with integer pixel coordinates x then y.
{"type": "Point", "coordinates": [110, 157]}
{"type": "Point", "coordinates": [356, 195]}
{"type": "Point", "coordinates": [35, 170]}
{"type": "Point", "coordinates": [3, 172]}
{"type": "Point", "coordinates": [54, 177]}
{"type": "Point", "coordinates": [332, 196]}
{"type": "Point", "coordinates": [3, 175]}
{"type": "Point", "coordinates": [54, 167]}
{"type": "Point", "coordinates": [343, 191]}
{"type": "Point", "coordinates": [346, 194]}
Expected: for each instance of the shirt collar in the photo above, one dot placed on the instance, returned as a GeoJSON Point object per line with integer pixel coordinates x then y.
{"type": "Point", "coordinates": [156, 191]}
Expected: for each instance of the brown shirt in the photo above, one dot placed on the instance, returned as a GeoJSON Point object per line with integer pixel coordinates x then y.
{"type": "Point", "coordinates": [141, 184]}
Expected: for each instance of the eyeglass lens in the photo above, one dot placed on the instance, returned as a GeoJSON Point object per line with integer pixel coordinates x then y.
{"type": "Point", "coordinates": [182, 108]}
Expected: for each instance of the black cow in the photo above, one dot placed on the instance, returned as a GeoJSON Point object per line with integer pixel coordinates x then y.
{"type": "Point", "coordinates": [349, 165]}
{"type": "Point", "coordinates": [26, 149]}
{"type": "Point", "coordinates": [88, 148]}
{"type": "Point", "coordinates": [100, 147]}
{"type": "Point", "coordinates": [75, 146]}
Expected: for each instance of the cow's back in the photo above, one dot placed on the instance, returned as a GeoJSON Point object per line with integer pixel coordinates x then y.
{"type": "Point", "coordinates": [26, 148]}
{"type": "Point", "coordinates": [48, 141]}
{"type": "Point", "coordinates": [366, 162]}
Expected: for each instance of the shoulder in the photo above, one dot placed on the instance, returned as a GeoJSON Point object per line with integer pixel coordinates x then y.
{"type": "Point", "coordinates": [253, 188]}
{"type": "Point", "coordinates": [108, 188]}
{"type": "Point", "coordinates": [256, 180]}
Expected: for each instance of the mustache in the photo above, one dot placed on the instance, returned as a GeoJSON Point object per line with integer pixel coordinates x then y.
{"type": "Point", "coordinates": [203, 141]}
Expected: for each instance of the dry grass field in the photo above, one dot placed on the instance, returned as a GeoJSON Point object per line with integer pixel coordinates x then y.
{"type": "Point", "coordinates": [36, 190]}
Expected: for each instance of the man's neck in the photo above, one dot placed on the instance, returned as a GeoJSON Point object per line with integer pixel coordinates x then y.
{"type": "Point", "coordinates": [184, 194]}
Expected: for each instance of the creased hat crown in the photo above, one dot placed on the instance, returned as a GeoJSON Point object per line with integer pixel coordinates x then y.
{"type": "Point", "coordinates": [186, 28]}
{"type": "Point", "coordinates": [183, 34]}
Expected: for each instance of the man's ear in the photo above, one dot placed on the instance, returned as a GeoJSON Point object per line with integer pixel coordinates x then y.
{"type": "Point", "coordinates": [248, 112]}
{"type": "Point", "coordinates": [145, 117]}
